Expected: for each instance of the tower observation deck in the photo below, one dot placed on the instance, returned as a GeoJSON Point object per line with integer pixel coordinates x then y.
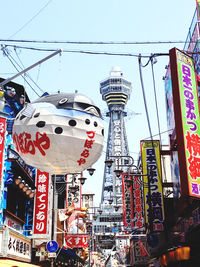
{"type": "Point", "coordinates": [115, 91]}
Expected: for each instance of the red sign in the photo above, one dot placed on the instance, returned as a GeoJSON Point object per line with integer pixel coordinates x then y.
{"type": "Point", "coordinates": [77, 240]}
{"type": "Point", "coordinates": [127, 193]}
{"type": "Point", "coordinates": [41, 203]}
{"type": "Point", "coordinates": [138, 202]}
{"type": "Point", "coordinates": [2, 138]}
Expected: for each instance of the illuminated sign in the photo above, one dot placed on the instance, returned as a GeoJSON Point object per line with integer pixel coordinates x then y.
{"type": "Point", "coordinates": [153, 200]}
{"type": "Point", "coordinates": [186, 111]}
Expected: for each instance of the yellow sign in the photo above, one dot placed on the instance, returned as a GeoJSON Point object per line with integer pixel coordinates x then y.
{"type": "Point", "coordinates": [153, 195]}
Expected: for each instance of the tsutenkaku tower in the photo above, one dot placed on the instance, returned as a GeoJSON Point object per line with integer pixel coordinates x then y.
{"type": "Point", "coordinates": [115, 91]}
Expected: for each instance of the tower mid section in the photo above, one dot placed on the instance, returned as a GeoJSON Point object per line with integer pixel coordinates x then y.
{"type": "Point", "coordinates": [116, 91]}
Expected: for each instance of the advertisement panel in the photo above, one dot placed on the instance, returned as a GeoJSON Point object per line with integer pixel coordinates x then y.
{"type": "Point", "coordinates": [186, 110]}
{"type": "Point", "coordinates": [40, 224]}
{"type": "Point", "coordinates": [153, 200]}
{"type": "Point", "coordinates": [2, 138]}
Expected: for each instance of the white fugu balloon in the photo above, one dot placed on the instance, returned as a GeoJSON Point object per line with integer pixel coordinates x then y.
{"type": "Point", "coordinates": [60, 133]}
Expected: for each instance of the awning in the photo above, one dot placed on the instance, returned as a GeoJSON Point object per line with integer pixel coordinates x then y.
{"type": "Point", "coordinates": [67, 254]}
{"type": "Point", "coordinates": [6, 262]}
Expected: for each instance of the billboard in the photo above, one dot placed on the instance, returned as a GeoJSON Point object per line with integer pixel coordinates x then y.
{"type": "Point", "coordinates": [153, 200]}
{"type": "Point", "coordinates": [187, 120]}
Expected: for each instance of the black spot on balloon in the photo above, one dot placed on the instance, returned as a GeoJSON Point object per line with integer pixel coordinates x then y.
{"type": "Point", "coordinates": [87, 121]}
{"type": "Point", "coordinates": [41, 124]}
{"type": "Point", "coordinates": [72, 123]}
{"type": "Point", "coordinates": [36, 115]}
{"type": "Point", "coordinates": [102, 132]}
{"type": "Point", "coordinates": [95, 124]}
{"type": "Point", "coordinates": [58, 130]}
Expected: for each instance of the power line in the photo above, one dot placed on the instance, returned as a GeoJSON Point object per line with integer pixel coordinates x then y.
{"type": "Point", "coordinates": [88, 52]}
{"type": "Point", "coordinates": [31, 18]}
{"type": "Point", "coordinates": [95, 43]}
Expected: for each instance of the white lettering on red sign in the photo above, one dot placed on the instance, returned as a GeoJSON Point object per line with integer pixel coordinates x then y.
{"type": "Point", "coordinates": [41, 203]}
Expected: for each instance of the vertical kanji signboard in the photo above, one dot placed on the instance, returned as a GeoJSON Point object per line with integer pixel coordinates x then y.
{"type": "Point", "coordinates": [187, 120]}
{"type": "Point", "coordinates": [153, 194]}
{"type": "Point", "coordinates": [40, 225]}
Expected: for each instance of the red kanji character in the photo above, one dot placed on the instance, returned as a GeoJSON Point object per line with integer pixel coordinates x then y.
{"type": "Point", "coordinates": [136, 184]}
{"type": "Point", "coordinates": [85, 153]}
{"type": "Point", "coordinates": [81, 161]}
{"type": "Point", "coordinates": [193, 143]}
{"type": "Point", "coordinates": [194, 167]}
{"type": "Point", "coordinates": [139, 216]}
{"type": "Point", "coordinates": [137, 193]}
{"type": "Point", "coordinates": [42, 142]}
{"type": "Point", "coordinates": [91, 134]}
{"type": "Point", "coordinates": [139, 224]}
{"type": "Point", "coordinates": [138, 201]}
{"type": "Point", "coordinates": [88, 143]}
{"type": "Point", "coordinates": [138, 208]}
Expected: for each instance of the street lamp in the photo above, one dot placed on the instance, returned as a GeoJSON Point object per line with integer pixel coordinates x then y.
{"type": "Point", "coordinates": [91, 171]}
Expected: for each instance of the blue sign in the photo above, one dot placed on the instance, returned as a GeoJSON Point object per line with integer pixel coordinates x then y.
{"type": "Point", "coordinates": [52, 246]}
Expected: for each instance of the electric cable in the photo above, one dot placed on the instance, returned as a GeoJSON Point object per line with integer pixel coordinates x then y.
{"type": "Point", "coordinates": [94, 43]}
{"type": "Point", "coordinates": [27, 74]}
{"type": "Point", "coordinates": [7, 54]}
{"type": "Point", "coordinates": [31, 19]}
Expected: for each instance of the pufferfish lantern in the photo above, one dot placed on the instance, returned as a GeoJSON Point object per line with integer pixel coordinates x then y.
{"type": "Point", "coordinates": [60, 133]}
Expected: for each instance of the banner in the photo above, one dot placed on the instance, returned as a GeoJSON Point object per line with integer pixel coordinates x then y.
{"type": "Point", "coordinates": [187, 120]}
{"type": "Point", "coordinates": [2, 138]}
{"type": "Point", "coordinates": [153, 200]}
{"type": "Point", "coordinates": [41, 204]}
{"type": "Point", "coordinates": [127, 194]}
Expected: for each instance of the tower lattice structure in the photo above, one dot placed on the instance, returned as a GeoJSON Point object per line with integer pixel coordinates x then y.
{"type": "Point", "coordinates": [116, 91]}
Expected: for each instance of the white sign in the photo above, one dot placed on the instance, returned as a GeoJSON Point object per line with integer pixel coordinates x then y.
{"type": "Point", "coordinates": [18, 246]}
{"type": "Point", "coordinates": [51, 255]}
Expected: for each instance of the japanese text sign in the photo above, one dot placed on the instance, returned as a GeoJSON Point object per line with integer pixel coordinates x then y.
{"type": "Point", "coordinates": [127, 193]}
{"type": "Point", "coordinates": [41, 203]}
{"type": "Point", "coordinates": [77, 240]}
{"type": "Point", "coordinates": [19, 247]}
{"type": "Point", "coordinates": [153, 200]}
{"type": "Point", "coordinates": [186, 111]}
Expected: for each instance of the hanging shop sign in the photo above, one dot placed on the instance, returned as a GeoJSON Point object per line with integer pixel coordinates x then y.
{"type": "Point", "coordinates": [77, 240]}
{"type": "Point", "coordinates": [187, 119]}
{"type": "Point", "coordinates": [2, 139]}
{"type": "Point", "coordinates": [138, 203]}
{"type": "Point", "coordinates": [127, 195]}
{"type": "Point", "coordinates": [73, 199]}
{"type": "Point", "coordinates": [45, 129]}
{"type": "Point", "coordinates": [153, 194]}
{"type": "Point", "coordinates": [40, 224]}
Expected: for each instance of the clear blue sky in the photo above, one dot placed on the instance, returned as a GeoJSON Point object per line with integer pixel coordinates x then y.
{"type": "Point", "coordinates": [92, 20]}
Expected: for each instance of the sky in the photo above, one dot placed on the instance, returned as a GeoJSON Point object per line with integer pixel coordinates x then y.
{"type": "Point", "coordinates": [54, 21]}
